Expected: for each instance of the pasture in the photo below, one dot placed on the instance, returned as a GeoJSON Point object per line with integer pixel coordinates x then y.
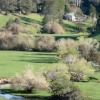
{"type": "Point", "coordinates": [12, 62]}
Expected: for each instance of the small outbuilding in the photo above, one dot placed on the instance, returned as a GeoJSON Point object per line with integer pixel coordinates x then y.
{"type": "Point", "coordinates": [70, 16]}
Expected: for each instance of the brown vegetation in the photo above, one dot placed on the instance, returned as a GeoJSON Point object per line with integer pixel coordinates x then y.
{"type": "Point", "coordinates": [53, 27]}
{"type": "Point", "coordinates": [28, 81]}
{"type": "Point", "coordinates": [45, 43]}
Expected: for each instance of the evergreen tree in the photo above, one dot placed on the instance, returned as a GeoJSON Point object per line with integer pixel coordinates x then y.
{"type": "Point", "coordinates": [54, 8]}
{"type": "Point", "coordinates": [25, 6]}
{"type": "Point", "coordinates": [92, 11]}
{"type": "Point", "coordinates": [98, 24]}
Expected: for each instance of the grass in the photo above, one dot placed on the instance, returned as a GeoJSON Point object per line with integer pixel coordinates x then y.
{"type": "Point", "coordinates": [96, 36]}
{"type": "Point", "coordinates": [16, 61]}
{"type": "Point", "coordinates": [4, 19]}
{"type": "Point", "coordinates": [91, 89]}
{"type": "Point", "coordinates": [12, 62]}
{"type": "Point", "coordinates": [37, 95]}
{"type": "Point", "coordinates": [70, 27]}
{"type": "Point", "coordinates": [37, 19]}
{"type": "Point", "coordinates": [26, 19]}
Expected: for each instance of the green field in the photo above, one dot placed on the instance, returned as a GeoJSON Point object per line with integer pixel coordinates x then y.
{"type": "Point", "coordinates": [29, 19]}
{"type": "Point", "coordinates": [12, 62]}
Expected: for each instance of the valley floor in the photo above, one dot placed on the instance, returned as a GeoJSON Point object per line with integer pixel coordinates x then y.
{"type": "Point", "coordinates": [12, 62]}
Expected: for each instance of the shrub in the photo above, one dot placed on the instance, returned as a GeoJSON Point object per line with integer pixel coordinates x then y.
{"type": "Point", "coordinates": [90, 42]}
{"type": "Point", "coordinates": [45, 43]}
{"type": "Point", "coordinates": [6, 40]}
{"type": "Point", "coordinates": [60, 85]}
{"type": "Point", "coordinates": [28, 81]}
{"type": "Point", "coordinates": [66, 47]}
{"type": "Point", "coordinates": [10, 21]}
{"type": "Point", "coordinates": [24, 42]}
{"type": "Point", "coordinates": [73, 94]}
{"type": "Point", "coordinates": [86, 45]}
{"type": "Point", "coordinates": [80, 70]}
{"type": "Point", "coordinates": [46, 19]}
{"type": "Point", "coordinates": [95, 57]}
{"type": "Point", "coordinates": [53, 27]}
{"type": "Point", "coordinates": [58, 78]}
{"type": "Point", "coordinates": [15, 28]}
{"type": "Point", "coordinates": [17, 20]}
{"type": "Point", "coordinates": [17, 42]}
{"type": "Point", "coordinates": [84, 51]}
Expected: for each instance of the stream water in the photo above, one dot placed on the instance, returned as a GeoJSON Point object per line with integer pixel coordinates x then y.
{"type": "Point", "coordinates": [11, 97]}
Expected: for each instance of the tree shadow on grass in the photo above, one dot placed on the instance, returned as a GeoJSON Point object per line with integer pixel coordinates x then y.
{"type": "Point", "coordinates": [66, 37]}
{"type": "Point", "coordinates": [70, 28]}
{"type": "Point", "coordinates": [27, 20]}
{"type": "Point", "coordinates": [94, 35]}
{"type": "Point", "coordinates": [39, 60]}
{"type": "Point", "coordinates": [43, 53]}
{"type": "Point", "coordinates": [28, 96]}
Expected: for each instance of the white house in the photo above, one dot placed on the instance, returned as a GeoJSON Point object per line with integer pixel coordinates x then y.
{"type": "Point", "coordinates": [70, 16]}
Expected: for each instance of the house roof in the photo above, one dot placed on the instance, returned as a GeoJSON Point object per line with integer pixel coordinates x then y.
{"type": "Point", "coordinates": [70, 14]}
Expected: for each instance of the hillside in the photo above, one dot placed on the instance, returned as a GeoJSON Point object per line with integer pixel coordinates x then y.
{"type": "Point", "coordinates": [50, 49]}
{"type": "Point", "coordinates": [37, 19]}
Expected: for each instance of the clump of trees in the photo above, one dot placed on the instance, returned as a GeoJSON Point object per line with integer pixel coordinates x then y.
{"type": "Point", "coordinates": [79, 67]}
{"type": "Point", "coordinates": [60, 85]}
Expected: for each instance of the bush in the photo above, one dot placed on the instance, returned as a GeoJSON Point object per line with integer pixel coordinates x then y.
{"type": "Point", "coordinates": [58, 78]}
{"type": "Point", "coordinates": [10, 41]}
{"type": "Point", "coordinates": [73, 94]}
{"type": "Point", "coordinates": [80, 70]}
{"type": "Point", "coordinates": [53, 27]}
{"type": "Point", "coordinates": [46, 19]}
{"type": "Point", "coordinates": [17, 20]}
{"type": "Point", "coordinates": [28, 81]}
{"type": "Point", "coordinates": [10, 21]}
{"type": "Point", "coordinates": [60, 85]}
{"type": "Point", "coordinates": [86, 45]}
{"type": "Point", "coordinates": [66, 47]}
{"type": "Point", "coordinates": [45, 43]}
{"type": "Point", "coordinates": [84, 51]}
{"type": "Point", "coordinates": [15, 28]}
{"type": "Point", "coordinates": [24, 43]}
{"type": "Point", "coordinates": [6, 40]}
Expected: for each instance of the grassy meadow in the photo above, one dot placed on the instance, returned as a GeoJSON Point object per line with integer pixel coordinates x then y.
{"type": "Point", "coordinates": [37, 19]}
{"type": "Point", "coordinates": [12, 62]}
